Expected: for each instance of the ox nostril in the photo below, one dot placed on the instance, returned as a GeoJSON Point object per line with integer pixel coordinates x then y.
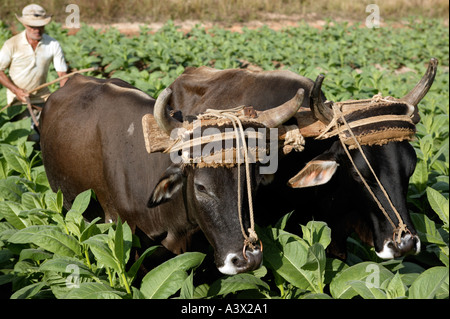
{"type": "Point", "coordinates": [235, 261]}
{"type": "Point", "coordinates": [409, 244]}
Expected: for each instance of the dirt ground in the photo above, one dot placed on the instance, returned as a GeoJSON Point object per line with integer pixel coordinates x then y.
{"type": "Point", "coordinates": [273, 21]}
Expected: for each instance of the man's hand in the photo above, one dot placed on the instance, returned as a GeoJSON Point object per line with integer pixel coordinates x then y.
{"type": "Point", "coordinates": [21, 94]}
{"type": "Point", "coordinates": [63, 81]}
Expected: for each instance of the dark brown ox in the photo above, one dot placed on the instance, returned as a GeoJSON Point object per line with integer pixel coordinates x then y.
{"type": "Point", "coordinates": [91, 138]}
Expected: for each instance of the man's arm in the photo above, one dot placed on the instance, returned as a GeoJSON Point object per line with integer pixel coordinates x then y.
{"type": "Point", "coordinates": [63, 81]}
{"type": "Point", "coordinates": [20, 93]}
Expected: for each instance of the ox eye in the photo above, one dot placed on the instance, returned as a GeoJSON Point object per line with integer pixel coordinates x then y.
{"type": "Point", "coordinates": [200, 188]}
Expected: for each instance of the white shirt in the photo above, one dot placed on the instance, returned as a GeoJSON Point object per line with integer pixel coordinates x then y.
{"type": "Point", "coordinates": [28, 68]}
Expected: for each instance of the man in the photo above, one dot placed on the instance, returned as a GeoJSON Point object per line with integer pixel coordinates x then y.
{"type": "Point", "coordinates": [28, 55]}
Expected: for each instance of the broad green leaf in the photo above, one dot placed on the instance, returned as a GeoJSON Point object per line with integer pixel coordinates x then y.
{"type": "Point", "coordinates": [166, 279]}
{"type": "Point", "coordinates": [431, 282]}
{"type": "Point", "coordinates": [93, 290]}
{"type": "Point", "coordinates": [134, 269]}
{"type": "Point", "coordinates": [34, 254]}
{"type": "Point", "coordinates": [315, 267]}
{"type": "Point", "coordinates": [286, 254]}
{"type": "Point", "coordinates": [439, 203]}
{"type": "Point", "coordinates": [81, 202]}
{"type": "Point", "coordinates": [187, 288]}
{"type": "Point", "coordinates": [201, 291]}
{"type": "Point", "coordinates": [15, 160]}
{"type": "Point", "coordinates": [91, 230]}
{"type": "Point", "coordinates": [231, 284]}
{"type": "Point", "coordinates": [10, 211]}
{"type": "Point", "coordinates": [28, 291]}
{"type": "Point", "coordinates": [26, 235]}
{"type": "Point", "coordinates": [317, 232]}
{"type": "Point", "coordinates": [32, 200]}
{"type": "Point", "coordinates": [365, 291]}
{"type": "Point", "coordinates": [10, 189]}
{"type": "Point", "coordinates": [54, 201]}
{"type": "Point", "coordinates": [396, 288]}
{"type": "Point", "coordinates": [118, 245]}
{"type": "Point", "coordinates": [372, 274]}
{"type": "Point", "coordinates": [16, 132]}
{"type": "Point", "coordinates": [332, 268]}
{"type": "Point", "coordinates": [65, 265]}
{"type": "Point", "coordinates": [122, 242]}
{"type": "Point", "coordinates": [57, 242]}
{"type": "Point", "coordinates": [427, 230]}
{"type": "Point", "coordinates": [420, 176]}
{"type": "Point", "coordinates": [102, 252]}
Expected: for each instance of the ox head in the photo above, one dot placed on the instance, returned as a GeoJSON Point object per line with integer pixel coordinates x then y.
{"type": "Point", "coordinates": [377, 208]}
{"type": "Point", "coordinates": [217, 197]}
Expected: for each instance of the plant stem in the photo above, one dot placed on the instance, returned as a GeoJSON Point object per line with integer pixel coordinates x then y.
{"type": "Point", "coordinates": [125, 282]}
{"type": "Point", "coordinates": [109, 277]}
{"type": "Point", "coordinates": [86, 254]}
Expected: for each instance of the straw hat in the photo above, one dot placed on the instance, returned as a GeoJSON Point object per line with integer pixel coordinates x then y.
{"type": "Point", "coordinates": [34, 15]}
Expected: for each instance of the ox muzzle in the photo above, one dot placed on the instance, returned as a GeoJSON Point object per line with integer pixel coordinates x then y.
{"type": "Point", "coordinates": [243, 261]}
{"type": "Point", "coordinates": [406, 245]}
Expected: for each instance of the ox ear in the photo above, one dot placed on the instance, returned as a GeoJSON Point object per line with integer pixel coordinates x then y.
{"type": "Point", "coordinates": [317, 172]}
{"type": "Point", "coordinates": [168, 185]}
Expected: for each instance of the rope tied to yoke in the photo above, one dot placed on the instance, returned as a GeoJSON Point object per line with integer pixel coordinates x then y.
{"type": "Point", "coordinates": [338, 121]}
{"type": "Point", "coordinates": [230, 114]}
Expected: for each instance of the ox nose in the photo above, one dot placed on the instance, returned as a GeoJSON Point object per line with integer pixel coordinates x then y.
{"type": "Point", "coordinates": [408, 244]}
{"type": "Point", "coordinates": [236, 263]}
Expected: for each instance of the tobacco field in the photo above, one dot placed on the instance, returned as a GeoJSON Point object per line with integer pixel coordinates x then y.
{"type": "Point", "coordinates": [48, 252]}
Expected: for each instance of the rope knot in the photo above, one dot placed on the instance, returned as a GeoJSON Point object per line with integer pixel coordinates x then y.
{"type": "Point", "coordinates": [402, 228]}
{"type": "Point", "coordinates": [250, 241]}
{"type": "Point", "coordinates": [293, 140]}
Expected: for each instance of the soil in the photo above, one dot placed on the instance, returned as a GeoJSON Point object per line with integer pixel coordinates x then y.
{"type": "Point", "coordinates": [273, 21]}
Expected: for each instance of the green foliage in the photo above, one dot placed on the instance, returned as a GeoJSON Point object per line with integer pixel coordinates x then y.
{"type": "Point", "coordinates": [48, 252]}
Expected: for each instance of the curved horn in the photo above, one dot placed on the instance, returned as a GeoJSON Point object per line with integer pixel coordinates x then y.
{"type": "Point", "coordinates": [318, 107]}
{"type": "Point", "coordinates": [274, 117]}
{"type": "Point", "coordinates": [164, 120]}
{"type": "Point", "coordinates": [421, 88]}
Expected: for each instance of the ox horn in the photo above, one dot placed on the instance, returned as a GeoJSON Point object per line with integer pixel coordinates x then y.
{"type": "Point", "coordinates": [165, 122]}
{"type": "Point", "coordinates": [274, 117]}
{"type": "Point", "coordinates": [421, 89]}
{"type": "Point", "coordinates": [321, 111]}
